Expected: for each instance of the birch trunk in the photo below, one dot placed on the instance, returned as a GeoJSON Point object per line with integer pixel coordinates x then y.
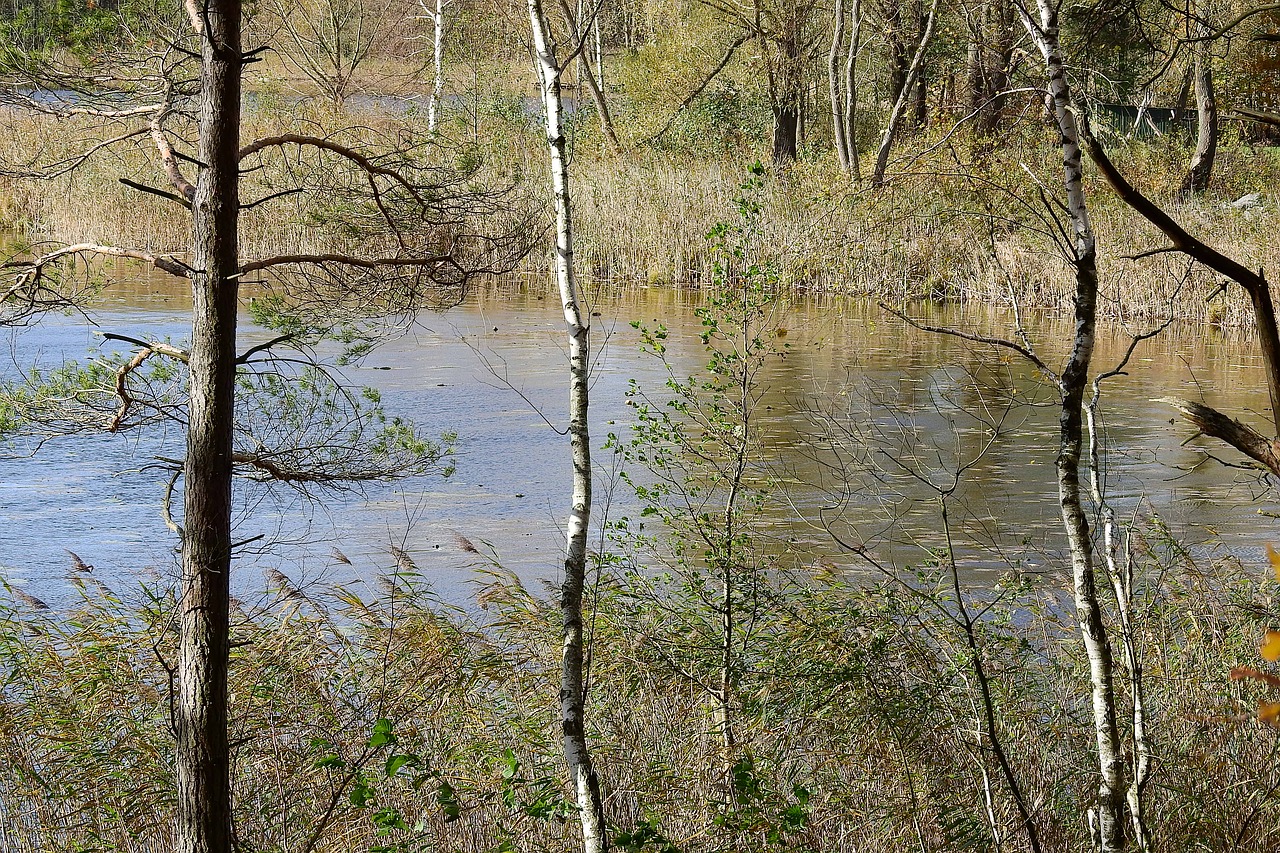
{"type": "Point", "coordinates": [1121, 575]}
{"type": "Point", "coordinates": [586, 784]}
{"type": "Point", "coordinates": [202, 757]}
{"type": "Point", "coordinates": [904, 96]}
{"type": "Point", "coordinates": [1111, 795]}
{"type": "Point", "coordinates": [437, 58]}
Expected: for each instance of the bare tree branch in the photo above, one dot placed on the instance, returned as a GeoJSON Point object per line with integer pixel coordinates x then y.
{"type": "Point", "coordinates": [134, 185]}
{"type": "Point", "coordinates": [1244, 438]}
{"type": "Point", "coordinates": [1255, 284]}
{"type": "Point", "coordinates": [160, 262]}
{"type": "Point", "coordinates": [979, 339]}
{"type": "Point", "coordinates": [158, 348]}
{"type": "Point", "coordinates": [347, 260]}
{"type": "Point", "coordinates": [706, 81]}
{"type": "Point", "coordinates": [167, 158]}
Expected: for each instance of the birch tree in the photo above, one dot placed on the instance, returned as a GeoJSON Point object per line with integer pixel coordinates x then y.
{"type": "Point", "coordinates": [586, 784]}
{"type": "Point", "coordinates": [1072, 381]}
{"type": "Point", "coordinates": [436, 14]}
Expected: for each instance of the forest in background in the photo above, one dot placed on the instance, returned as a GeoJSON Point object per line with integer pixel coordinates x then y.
{"type": "Point", "coordinates": [330, 168]}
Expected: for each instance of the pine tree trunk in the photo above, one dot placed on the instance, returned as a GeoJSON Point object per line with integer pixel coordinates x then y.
{"type": "Point", "coordinates": [202, 759]}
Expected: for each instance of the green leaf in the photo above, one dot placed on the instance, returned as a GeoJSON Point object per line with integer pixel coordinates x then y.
{"type": "Point", "coordinates": [395, 762]}
{"type": "Point", "coordinates": [511, 766]}
{"type": "Point", "coordinates": [361, 794]}
{"type": "Point", "coordinates": [382, 734]}
{"type": "Point", "coordinates": [447, 797]}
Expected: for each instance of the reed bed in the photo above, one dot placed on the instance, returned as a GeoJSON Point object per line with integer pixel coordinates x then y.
{"type": "Point", "coordinates": [940, 231]}
{"type": "Point", "coordinates": [857, 719]}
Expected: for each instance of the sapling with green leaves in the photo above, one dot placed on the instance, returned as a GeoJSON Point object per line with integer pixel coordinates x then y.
{"type": "Point", "coordinates": [696, 464]}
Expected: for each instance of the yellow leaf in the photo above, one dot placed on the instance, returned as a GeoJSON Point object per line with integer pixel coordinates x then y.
{"type": "Point", "coordinates": [1269, 713]}
{"type": "Point", "coordinates": [1271, 645]}
{"type": "Point", "coordinates": [1274, 557]}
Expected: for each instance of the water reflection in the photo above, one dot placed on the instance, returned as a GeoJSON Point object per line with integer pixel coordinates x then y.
{"type": "Point", "coordinates": [863, 418]}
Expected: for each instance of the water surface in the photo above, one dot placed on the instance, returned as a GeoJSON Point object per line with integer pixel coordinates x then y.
{"type": "Point", "coordinates": [904, 408]}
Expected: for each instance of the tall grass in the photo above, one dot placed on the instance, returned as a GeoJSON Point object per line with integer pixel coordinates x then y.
{"type": "Point", "coordinates": [943, 230]}
{"type": "Point", "coordinates": [858, 719]}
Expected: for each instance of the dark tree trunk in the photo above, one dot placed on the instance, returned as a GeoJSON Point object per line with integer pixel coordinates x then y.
{"type": "Point", "coordinates": [1201, 171]}
{"type": "Point", "coordinates": [899, 51]}
{"type": "Point", "coordinates": [786, 132]}
{"type": "Point", "coordinates": [990, 57]}
{"type": "Point", "coordinates": [202, 761]}
{"type": "Point", "coordinates": [786, 96]}
{"type": "Point", "coordinates": [922, 99]}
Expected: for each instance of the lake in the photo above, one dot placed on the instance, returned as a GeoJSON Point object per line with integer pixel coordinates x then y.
{"type": "Point", "coordinates": [901, 407]}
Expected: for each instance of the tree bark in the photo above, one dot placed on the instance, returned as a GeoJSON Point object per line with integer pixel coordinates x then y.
{"type": "Point", "coordinates": [586, 783]}
{"type": "Point", "coordinates": [786, 84]}
{"type": "Point", "coordinates": [1120, 572]}
{"type": "Point", "coordinates": [834, 60]}
{"type": "Point", "coordinates": [203, 758]}
{"type": "Point", "coordinates": [1074, 377]}
{"type": "Point", "coordinates": [1201, 172]}
{"type": "Point", "coordinates": [786, 130]}
{"type": "Point", "coordinates": [589, 77]}
{"type": "Point", "coordinates": [990, 55]}
{"type": "Point", "coordinates": [851, 91]}
{"type": "Point", "coordinates": [904, 94]}
{"type": "Point", "coordinates": [437, 57]}
{"type": "Point", "coordinates": [1242, 437]}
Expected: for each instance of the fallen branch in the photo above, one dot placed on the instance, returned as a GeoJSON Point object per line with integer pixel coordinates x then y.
{"type": "Point", "coordinates": [1244, 438]}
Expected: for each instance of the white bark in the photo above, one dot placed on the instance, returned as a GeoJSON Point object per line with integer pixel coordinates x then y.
{"type": "Point", "coordinates": [1110, 808]}
{"type": "Point", "coordinates": [1121, 576]}
{"type": "Point", "coordinates": [572, 681]}
{"type": "Point", "coordinates": [437, 58]}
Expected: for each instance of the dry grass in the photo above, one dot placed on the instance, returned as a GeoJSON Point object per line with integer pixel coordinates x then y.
{"type": "Point", "coordinates": [859, 694]}
{"type": "Point", "coordinates": [942, 232]}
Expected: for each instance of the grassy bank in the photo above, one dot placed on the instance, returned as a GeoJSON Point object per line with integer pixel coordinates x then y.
{"type": "Point", "coordinates": [388, 721]}
{"type": "Point", "coordinates": [945, 230]}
